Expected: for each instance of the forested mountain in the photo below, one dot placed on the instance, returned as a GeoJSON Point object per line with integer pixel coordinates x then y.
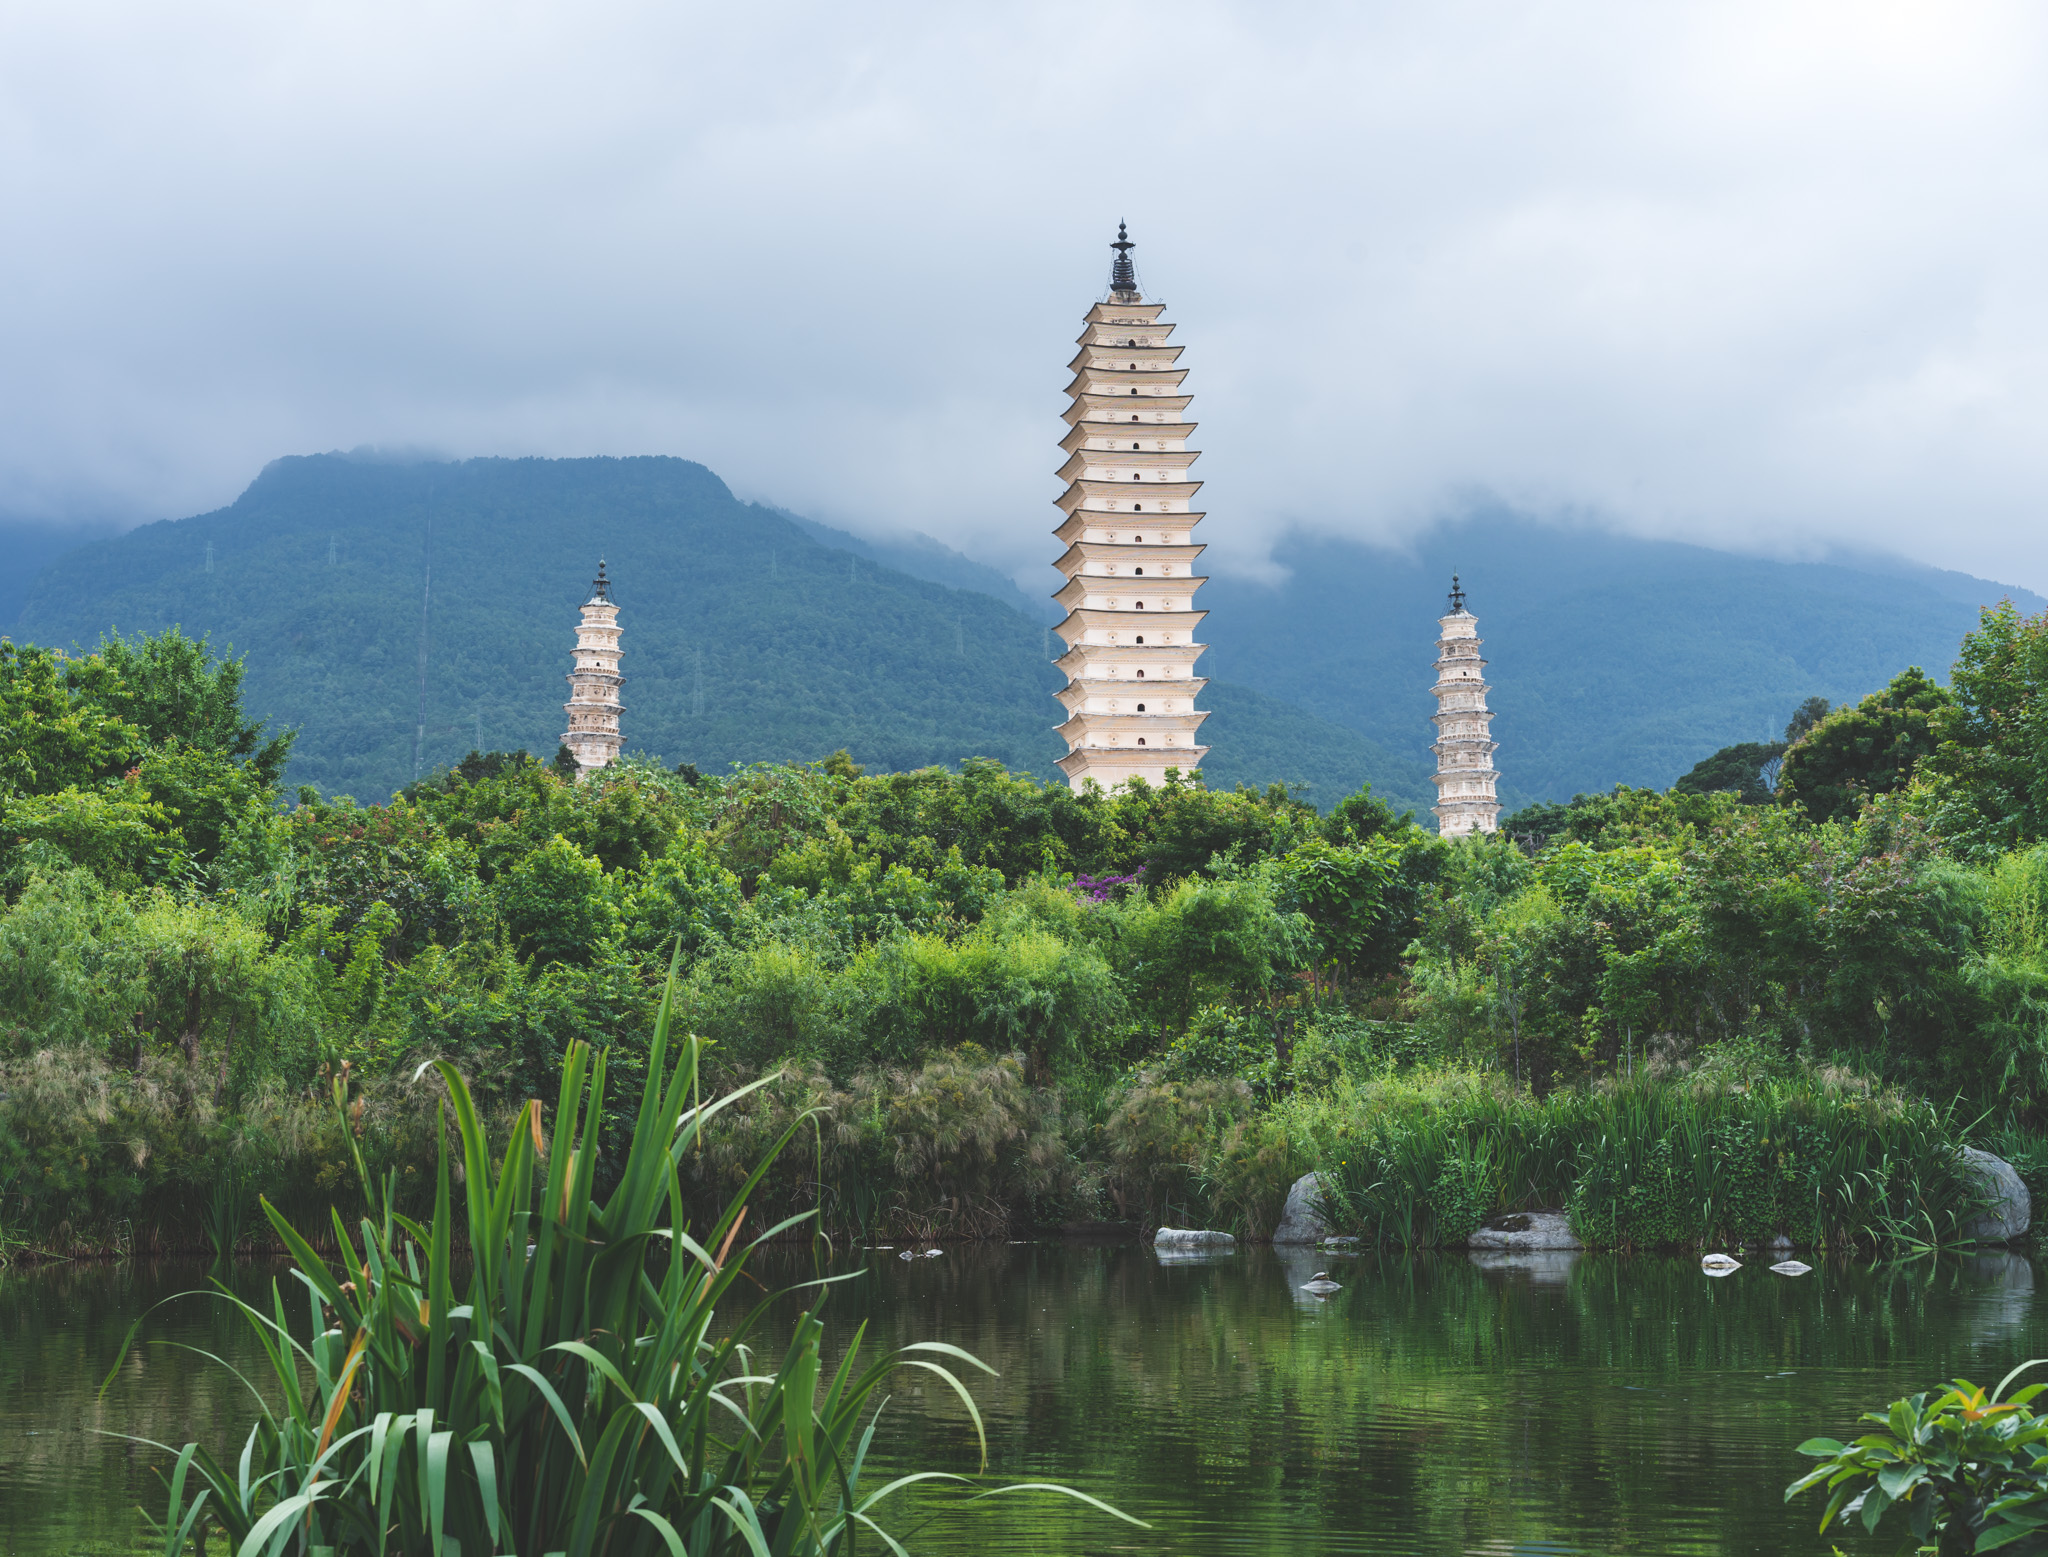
{"type": "Point", "coordinates": [753, 634]}
{"type": "Point", "coordinates": [1613, 660]}
{"type": "Point", "coordinates": [384, 604]}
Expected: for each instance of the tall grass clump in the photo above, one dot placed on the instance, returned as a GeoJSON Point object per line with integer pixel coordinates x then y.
{"type": "Point", "coordinates": [1656, 1162]}
{"type": "Point", "coordinates": [534, 1370]}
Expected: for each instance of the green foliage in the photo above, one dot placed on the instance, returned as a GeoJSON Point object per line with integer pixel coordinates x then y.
{"type": "Point", "coordinates": [1970, 1470]}
{"type": "Point", "coordinates": [1738, 769]}
{"type": "Point", "coordinates": [1651, 1163]}
{"type": "Point", "coordinates": [1989, 771]}
{"type": "Point", "coordinates": [1809, 713]}
{"type": "Point", "coordinates": [1870, 749]}
{"type": "Point", "coordinates": [558, 904]}
{"type": "Point", "coordinates": [134, 762]}
{"type": "Point", "coordinates": [539, 1368]}
{"type": "Point", "coordinates": [888, 937]}
{"type": "Point", "coordinates": [1623, 816]}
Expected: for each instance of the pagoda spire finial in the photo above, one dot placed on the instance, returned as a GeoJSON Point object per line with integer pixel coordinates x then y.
{"type": "Point", "coordinates": [1123, 276]}
{"type": "Point", "coordinates": [600, 587]}
{"type": "Point", "coordinates": [1457, 596]}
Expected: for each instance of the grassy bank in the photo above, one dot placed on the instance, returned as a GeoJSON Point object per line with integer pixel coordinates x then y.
{"type": "Point", "coordinates": [105, 1161]}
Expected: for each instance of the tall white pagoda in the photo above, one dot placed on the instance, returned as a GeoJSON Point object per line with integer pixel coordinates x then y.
{"type": "Point", "coordinates": [1465, 799]}
{"type": "Point", "coordinates": [1131, 554]}
{"type": "Point", "coordinates": [593, 708]}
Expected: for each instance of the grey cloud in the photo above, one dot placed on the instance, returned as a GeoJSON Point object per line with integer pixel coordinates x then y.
{"type": "Point", "coordinates": [1754, 275]}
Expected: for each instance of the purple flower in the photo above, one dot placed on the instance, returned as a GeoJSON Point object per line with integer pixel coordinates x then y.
{"type": "Point", "coordinates": [1097, 889]}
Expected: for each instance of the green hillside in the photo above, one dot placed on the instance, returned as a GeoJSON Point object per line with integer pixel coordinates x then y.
{"type": "Point", "coordinates": [1612, 659]}
{"type": "Point", "coordinates": [746, 638]}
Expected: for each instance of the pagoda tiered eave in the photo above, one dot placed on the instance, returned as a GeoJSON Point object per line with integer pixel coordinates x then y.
{"type": "Point", "coordinates": [1119, 722]}
{"type": "Point", "coordinates": [1089, 619]}
{"type": "Point", "coordinates": [1081, 659]}
{"type": "Point", "coordinates": [1138, 553]}
{"type": "Point", "coordinates": [1126, 408]}
{"type": "Point", "coordinates": [1083, 588]}
{"type": "Point", "coordinates": [1110, 356]}
{"type": "Point", "coordinates": [1075, 528]}
{"type": "Point", "coordinates": [1112, 428]}
{"type": "Point", "coordinates": [1117, 332]}
{"type": "Point", "coordinates": [1134, 312]}
{"type": "Point", "coordinates": [1130, 761]}
{"type": "Point", "coordinates": [1096, 496]}
{"type": "Point", "coordinates": [1077, 692]}
{"type": "Point", "coordinates": [1115, 465]}
{"type": "Point", "coordinates": [1122, 381]}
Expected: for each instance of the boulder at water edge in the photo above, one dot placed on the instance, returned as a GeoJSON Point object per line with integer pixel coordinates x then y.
{"type": "Point", "coordinates": [2012, 1208]}
{"type": "Point", "coordinates": [1303, 1221]}
{"type": "Point", "coordinates": [1190, 1238]}
{"type": "Point", "coordinates": [1526, 1230]}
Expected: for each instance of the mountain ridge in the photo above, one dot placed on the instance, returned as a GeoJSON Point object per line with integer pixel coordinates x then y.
{"type": "Point", "coordinates": [1614, 658]}
{"type": "Point", "coordinates": [746, 639]}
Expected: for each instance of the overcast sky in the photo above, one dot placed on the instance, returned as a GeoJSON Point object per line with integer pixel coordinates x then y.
{"type": "Point", "coordinates": [1771, 276]}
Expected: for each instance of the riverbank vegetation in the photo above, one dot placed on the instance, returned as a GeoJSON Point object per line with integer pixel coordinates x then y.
{"type": "Point", "coordinates": [1686, 1016]}
{"type": "Point", "coordinates": [578, 1398]}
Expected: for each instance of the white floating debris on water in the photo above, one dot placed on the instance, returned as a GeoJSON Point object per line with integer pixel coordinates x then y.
{"type": "Point", "coordinates": [932, 1254]}
{"type": "Point", "coordinates": [907, 1254]}
{"type": "Point", "coordinates": [1719, 1265]}
{"type": "Point", "coordinates": [1321, 1283]}
{"type": "Point", "coordinates": [1791, 1267]}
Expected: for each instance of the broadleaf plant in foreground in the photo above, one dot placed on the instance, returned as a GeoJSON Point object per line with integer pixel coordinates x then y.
{"type": "Point", "coordinates": [1968, 1471]}
{"type": "Point", "coordinates": [560, 1384]}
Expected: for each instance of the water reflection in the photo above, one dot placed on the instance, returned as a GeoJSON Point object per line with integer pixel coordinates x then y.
{"type": "Point", "coordinates": [1542, 1402]}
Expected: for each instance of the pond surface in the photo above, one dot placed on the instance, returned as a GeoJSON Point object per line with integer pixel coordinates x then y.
{"type": "Point", "coordinates": [1435, 1405]}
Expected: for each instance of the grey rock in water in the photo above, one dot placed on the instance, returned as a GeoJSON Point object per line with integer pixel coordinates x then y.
{"type": "Point", "coordinates": [1190, 1238]}
{"type": "Point", "coordinates": [1199, 1254]}
{"type": "Point", "coordinates": [2012, 1208]}
{"type": "Point", "coordinates": [1526, 1230]}
{"type": "Point", "coordinates": [1305, 1219]}
{"type": "Point", "coordinates": [1792, 1268]}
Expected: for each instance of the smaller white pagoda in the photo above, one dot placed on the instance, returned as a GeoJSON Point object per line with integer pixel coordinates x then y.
{"type": "Point", "coordinates": [593, 708]}
{"type": "Point", "coordinates": [1465, 779]}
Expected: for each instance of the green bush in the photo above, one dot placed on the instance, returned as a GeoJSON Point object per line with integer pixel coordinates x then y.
{"type": "Point", "coordinates": [1969, 1470]}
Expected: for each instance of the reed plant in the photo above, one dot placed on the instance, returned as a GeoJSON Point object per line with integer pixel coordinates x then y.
{"type": "Point", "coordinates": [1657, 1162]}
{"type": "Point", "coordinates": [536, 1369]}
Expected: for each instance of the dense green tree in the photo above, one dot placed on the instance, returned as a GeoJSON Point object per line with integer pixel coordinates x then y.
{"type": "Point", "coordinates": [1739, 769]}
{"type": "Point", "coordinates": [1808, 714]}
{"type": "Point", "coordinates": [1851, 754]}
{"type": "Point", "coordinates": [175, 691]}
{"type": "Point", "coordinates": [1990, 766]}
{"type": "Point", "coordinates": [1622, 816]}
{"type": "Point", "coordinates": [558, 906]}
{"type": "Point", "coordinates": [134, 762]}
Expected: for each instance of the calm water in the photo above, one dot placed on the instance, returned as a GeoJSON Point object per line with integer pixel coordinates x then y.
{"type": "Point", "coordinates": [1598, 1405]}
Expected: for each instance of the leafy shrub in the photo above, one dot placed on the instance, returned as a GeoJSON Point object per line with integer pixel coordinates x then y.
{"type": "Point", "coordinates": [1970, 1470]}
